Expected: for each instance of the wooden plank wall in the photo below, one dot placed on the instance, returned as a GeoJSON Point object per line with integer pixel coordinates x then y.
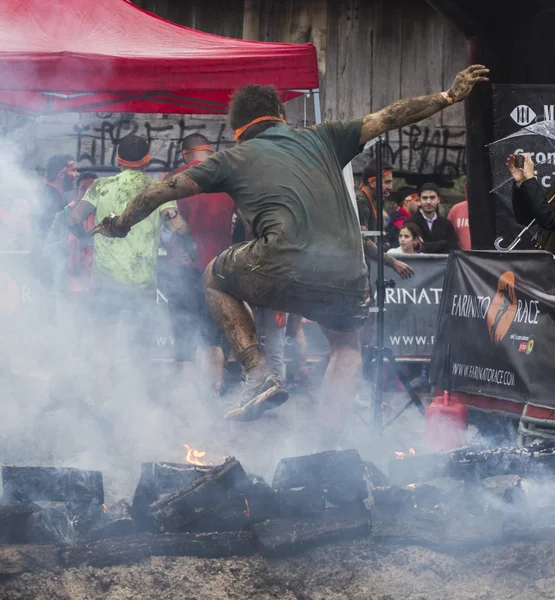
{"type": "Point", "coordinates": [371, 53]}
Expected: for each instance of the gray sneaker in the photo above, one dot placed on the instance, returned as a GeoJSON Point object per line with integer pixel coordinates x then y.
{"type": "Point", "coordinates": [258, 396]}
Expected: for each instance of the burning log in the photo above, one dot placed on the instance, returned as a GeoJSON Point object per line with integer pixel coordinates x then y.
{"type": "Point", "coordinates": [51, 484]}
{"type": "Point", "coordinates": [338, 475]}
{"type": "Point", "coordinates": [473, 463]}
{"type": "Point", "coordinates": [215, 499]}
{"type": "Point", "coordinates": [158, 479]}
{"type": "Point", "coordinates": [116, 521]}
{"type": "Point", "coordinates": [291, 535]}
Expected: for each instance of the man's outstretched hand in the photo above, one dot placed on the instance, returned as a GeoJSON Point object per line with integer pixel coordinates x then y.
{"type": "Point", "coordinates": [108, 227]}
{"type": "Point", "coordinates": [465, 82]}
{"type": "Point", "coordinates": [402, 269]}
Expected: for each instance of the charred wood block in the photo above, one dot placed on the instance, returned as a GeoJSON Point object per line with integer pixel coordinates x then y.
{"type": "Point", "coordinates": [51, 484]}
{"type": "Point", "coordinates": [22, 559]}
{"type": "Point", "coordinates": [131, 549]}
{"type": "Point", "coordinates": [413, 469]}
{"type": "Point", "coordinates": [13, 521]}
{"type": "Point", "coordinates": [374, 476]}
{"type": "Point", "coordinates": [301, 501]}
{"type": "Point", "coordinates": [51, 525]}
{"type": "Point", "coordinates": [174, 512]}
{"type": "Point", "coordinates": [291, 535]}
{"type": "Point", "coordinates": [339, 474]}
{"type": "Point", "coordinates": [117, 521]}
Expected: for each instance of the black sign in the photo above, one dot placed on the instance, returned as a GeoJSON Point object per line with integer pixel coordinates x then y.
{"type": "Point", "coordinates": [497, 326]}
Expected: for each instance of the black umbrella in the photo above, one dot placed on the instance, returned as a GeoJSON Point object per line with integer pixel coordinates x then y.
{"type": "Point", "coordinates": [537, 139]}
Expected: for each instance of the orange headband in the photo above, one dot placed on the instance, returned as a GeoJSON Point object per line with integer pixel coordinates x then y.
{"type": "Point", "coordinates": [384, 174]}
{"type": "Point", "coordinates": [239, 132]}
{"type": "Point", "coordinates": [137, 163]}
{"type": "Point", "coordinates": [199, 148]}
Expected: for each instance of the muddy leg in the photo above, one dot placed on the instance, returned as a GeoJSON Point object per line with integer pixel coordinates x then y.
{"type": "Point", "coordinates": [236, 321]}
{"type": "Point", "coordinates": [340, 383]}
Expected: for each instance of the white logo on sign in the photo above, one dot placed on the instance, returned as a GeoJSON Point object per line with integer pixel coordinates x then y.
{"type": "Point", "coordinates": [523, 115]}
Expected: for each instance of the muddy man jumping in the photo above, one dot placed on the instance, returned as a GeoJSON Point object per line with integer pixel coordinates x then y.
{"type": "Point", "coordinates": [307, 255]}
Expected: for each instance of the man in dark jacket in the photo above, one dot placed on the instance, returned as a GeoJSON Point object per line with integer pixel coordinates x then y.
{"type": "Point", "coordinates": [438, 234]}
{"type": "Point", "coordinates": [532, 201]}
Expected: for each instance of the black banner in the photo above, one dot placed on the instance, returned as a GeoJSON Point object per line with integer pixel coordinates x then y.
{"type": "Point", "coordinates": [412, 306]}
{"type": "Point", "coordinates": [497, 325]}
{"type": "Point", "coordinates": [528, 110]}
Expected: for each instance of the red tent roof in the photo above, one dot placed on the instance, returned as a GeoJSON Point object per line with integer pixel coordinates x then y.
{"type": "Point", "coordinates": [109, 55]}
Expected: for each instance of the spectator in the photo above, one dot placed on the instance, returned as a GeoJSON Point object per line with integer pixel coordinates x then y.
{"type": "Point", "coordinates": [409, 240]}
{"type": "Point", "coordinates": [124, 271]}
{"type": "Point", "coordinates": [61, 173]}
{"type": "Point", "coordinates": [438, 234]}
{"type": "Point", "coordinates": [71, 253]}
{"type": "Point", "coordinates": [209, 219]}
{"type": "Point", "coordinates": [366, 195]}
{"type": "Point", "coordinates": [458, 216]}
{"type": "Point", "coordinates": [408, 203]}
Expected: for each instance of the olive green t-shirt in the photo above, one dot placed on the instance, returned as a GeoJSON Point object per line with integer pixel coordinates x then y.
{"type": "Point", "coordinates": [129, 261]}
{"type": "Point", "coordinates": [289, 185]}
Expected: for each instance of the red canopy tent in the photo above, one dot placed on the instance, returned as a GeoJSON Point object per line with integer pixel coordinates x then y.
{"type": "Point", "coordinates": [109, 55]}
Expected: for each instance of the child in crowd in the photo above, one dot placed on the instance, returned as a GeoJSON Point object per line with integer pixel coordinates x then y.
{"type": "Point", "coordinates": [409, 240]}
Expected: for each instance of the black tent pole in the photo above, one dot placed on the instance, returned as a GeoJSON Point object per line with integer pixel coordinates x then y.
{"type": "Point", "coordinates": [380, 288]}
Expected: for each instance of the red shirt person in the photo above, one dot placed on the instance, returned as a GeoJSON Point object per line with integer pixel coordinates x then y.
{"type": "Point", "coordinates": [209, 219]}
{"type": "Point", "coordinates": [458, 216]}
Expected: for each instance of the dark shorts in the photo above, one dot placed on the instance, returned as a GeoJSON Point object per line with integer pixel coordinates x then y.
{"type": "Point", "coordinates": [191, 320]}
{"type": "Point", "coordinates": [335, 309]}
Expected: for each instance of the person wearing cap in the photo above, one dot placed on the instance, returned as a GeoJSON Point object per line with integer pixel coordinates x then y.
{"type": "Point", "coordinates": [408, 203]}
{"type": "Point", "coordinates": [61, 173]}
{"type": "Point", "coordinates": [124, 282]}
{"type": "Point", "coordinates": [307, 256]}
{"type": "Point", "coordinates": [209, 219]}
{"type": "Point", "coordinates": [438, 233]}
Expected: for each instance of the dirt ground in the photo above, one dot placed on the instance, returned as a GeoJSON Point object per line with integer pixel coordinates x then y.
{"type": "Point", "coordinates": [348, 571]}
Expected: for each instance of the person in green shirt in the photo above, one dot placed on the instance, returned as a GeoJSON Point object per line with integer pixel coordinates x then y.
{"type": "Point", "coordinates": [124, 270]}
{"type": "Point", "coordinates": [307, 255]}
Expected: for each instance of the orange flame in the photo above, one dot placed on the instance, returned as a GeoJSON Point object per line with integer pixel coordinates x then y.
{"type": "Point", "coordinates": [412, 451]}
{"type": "Point", "coordinates": [400, 454]}
{"type": "Point", "coordinates": [247, 511]}
{"type": "Point", "coordinates": [104, 508]}
{"type": "Point", "coordinates": [411, 486]}
{"type": "Point", "coordinates": [194, 457]}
